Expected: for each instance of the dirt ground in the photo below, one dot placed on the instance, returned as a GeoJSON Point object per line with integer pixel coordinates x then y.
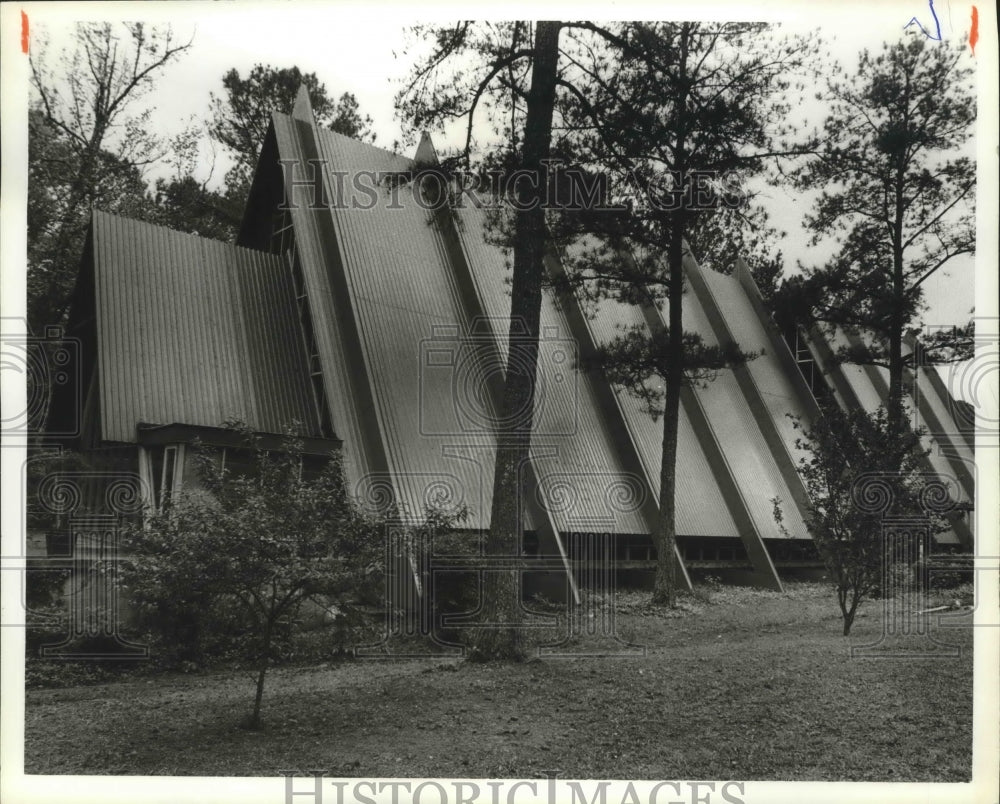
{"type": "Point", "coordinates": [740, 684]}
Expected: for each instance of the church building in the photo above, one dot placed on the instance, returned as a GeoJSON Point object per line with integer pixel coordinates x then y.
{"type": "Point", "coordinates": [380, 328]}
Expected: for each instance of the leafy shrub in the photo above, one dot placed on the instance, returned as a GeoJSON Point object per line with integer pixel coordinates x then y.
{"type": "Point", "coordinates": [224, 570]}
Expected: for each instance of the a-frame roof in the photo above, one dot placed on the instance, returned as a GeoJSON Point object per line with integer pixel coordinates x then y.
{"type": "Point", "coordinates": [190, 330]}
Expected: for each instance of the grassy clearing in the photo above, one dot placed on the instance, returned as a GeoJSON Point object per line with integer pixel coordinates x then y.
{"type": "Point", "coordinates": [738, 684]}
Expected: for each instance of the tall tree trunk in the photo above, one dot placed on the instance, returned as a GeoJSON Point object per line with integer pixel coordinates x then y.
{"type": "Point", "coordinates": [503, 638]}
{"type": "Point", "coordinates": [665, 583]}
{"type": "Point", "coordinates": [894, 403]}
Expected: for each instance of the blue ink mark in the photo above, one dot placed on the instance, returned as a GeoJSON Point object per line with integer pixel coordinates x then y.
{"type": "Point", "coordinates": [923, 30]}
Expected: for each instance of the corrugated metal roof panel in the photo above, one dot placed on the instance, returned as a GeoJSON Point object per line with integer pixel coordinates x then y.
{"type": "Point", "coordinates": [572, 446]}
{"type": "Point", "coordinates": [338, 382]}
{"type": "Point", "coordinates": [750, 460]}
{"type": "Point", "coordinates": [776, 388]}
{"type": "Point", "coordinates": [423, 366]}
{"type": "Point", "coordinates": [174, 347]}
{"type": "Point", "coordinates": [857, 376]}
{"type": "Point", "coordinates": [403, 304]}
{"type": "Point", "coordinates": [955, 442]}
{"type": "Point", "coordinates": [701, 508]}
{"type": "Point", "coordinates": [870, 386]}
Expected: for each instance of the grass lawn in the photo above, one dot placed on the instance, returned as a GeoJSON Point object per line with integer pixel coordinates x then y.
{"type": "Point", "coordinates": [741, 684]}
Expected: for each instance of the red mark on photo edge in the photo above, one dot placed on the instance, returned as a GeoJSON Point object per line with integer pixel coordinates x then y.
{"type": "Point", "coordinates": [974, 32]}
{"type": "Point", "coordinates": [24, 32]}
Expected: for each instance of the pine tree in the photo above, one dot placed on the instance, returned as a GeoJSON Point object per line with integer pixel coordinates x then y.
{"type": "Point", "coordinates": [897, 195]}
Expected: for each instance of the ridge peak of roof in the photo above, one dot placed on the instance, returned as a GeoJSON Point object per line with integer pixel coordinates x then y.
{"type": "Point", "coordinates": [302, 108]}
{"type": "Point", "coordinates": [426, 155]}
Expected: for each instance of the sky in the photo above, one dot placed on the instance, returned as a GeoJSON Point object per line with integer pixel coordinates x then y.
{"type": "Point", "coordinates": [362, 48]}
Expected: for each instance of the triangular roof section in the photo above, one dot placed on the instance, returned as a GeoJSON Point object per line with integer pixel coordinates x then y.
{"type": "Point", "coordinates": [302, 108]}
{"type": "Point", "coordinates": [426, 155]}
{"type": "Point", "coordinates": [191, 330]}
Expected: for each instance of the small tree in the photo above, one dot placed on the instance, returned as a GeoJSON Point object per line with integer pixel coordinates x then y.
{"type": "Point", "coordinates": [845, 447]}
{"type": "Point", "coordinates": [257, 546]}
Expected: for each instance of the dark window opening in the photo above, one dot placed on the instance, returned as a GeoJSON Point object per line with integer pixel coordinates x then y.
{"type": "Point", "coordinates": [713, 549]}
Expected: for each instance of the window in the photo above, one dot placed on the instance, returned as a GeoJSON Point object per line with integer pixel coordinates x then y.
{"type": "Point", "coordinates": [282, 234]}
{"type": "Point", "coordinates": [167, 477]}
{"type": "Point", "coordinates": [811, 371]}
{"type": "Point", "coordinates": [309, 344]}
{"type": "Point", "coordinates": [283, 244]}
{"type": "Point", "coordinates": [162, 469]}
